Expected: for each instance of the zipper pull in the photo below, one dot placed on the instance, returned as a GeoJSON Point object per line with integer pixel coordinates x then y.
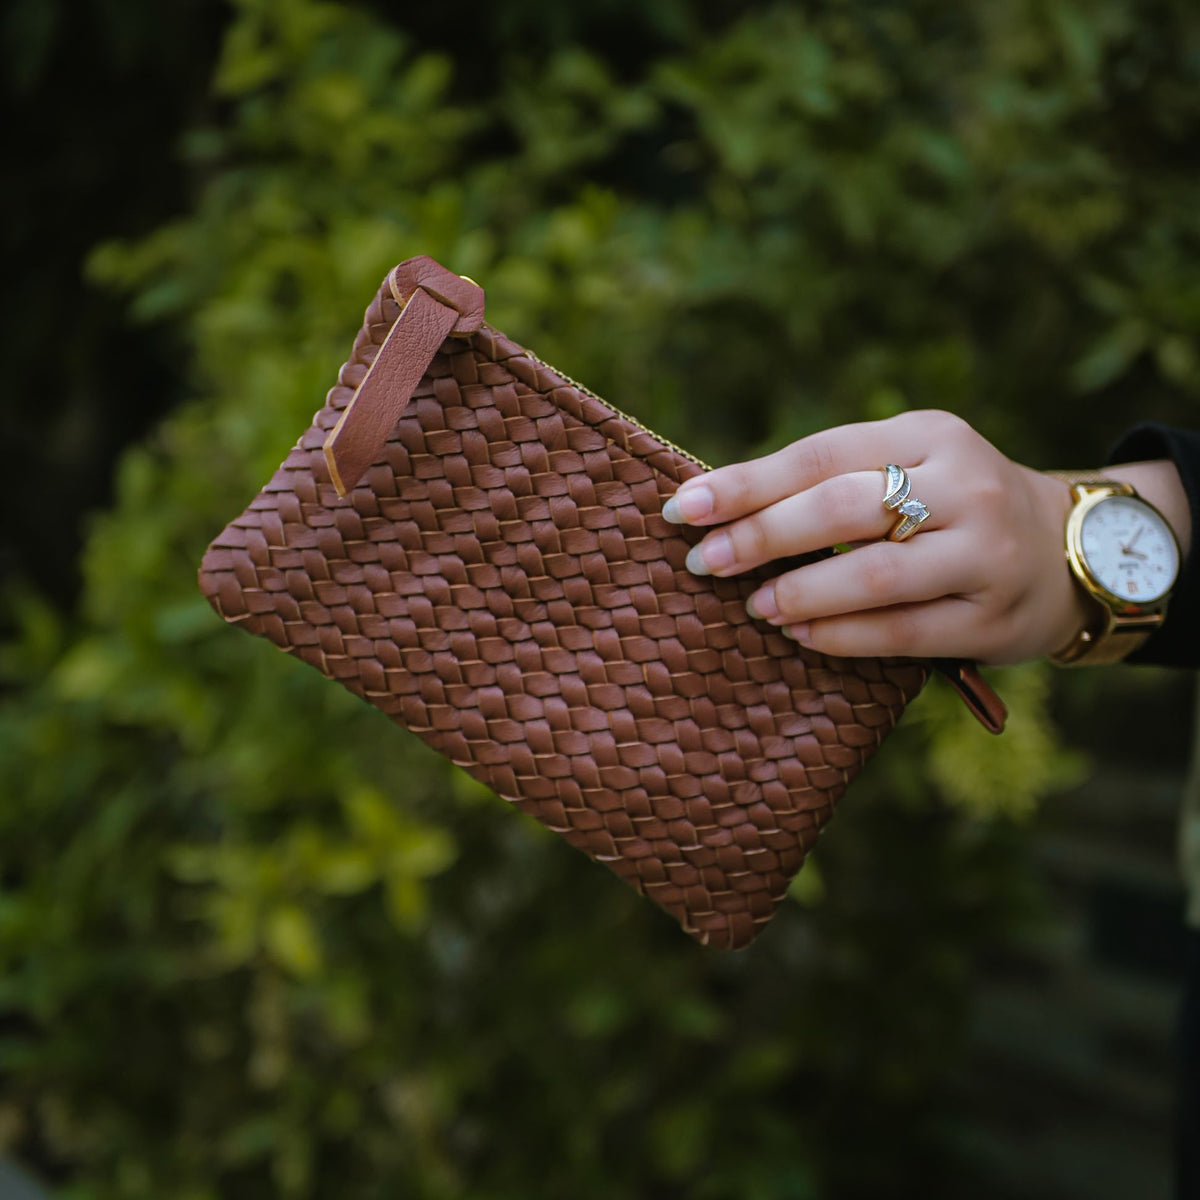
{"type": "Point", "coordinates": [436, 304]}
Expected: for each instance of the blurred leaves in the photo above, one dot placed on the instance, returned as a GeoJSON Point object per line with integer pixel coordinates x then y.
{"type": "Point", "coordinates": [255, 941]}
{"type": "Point", "coordinates": [1004, 775]}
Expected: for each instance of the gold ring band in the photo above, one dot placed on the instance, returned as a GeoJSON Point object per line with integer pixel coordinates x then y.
{"type": "Point", "coordinates": [898, 498]}
{"type": "Point", "coordinates": [913, 514]}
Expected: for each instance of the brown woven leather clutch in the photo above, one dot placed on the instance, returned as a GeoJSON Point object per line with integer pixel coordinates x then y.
{"type": "Point", "coordinates": [473, 543]}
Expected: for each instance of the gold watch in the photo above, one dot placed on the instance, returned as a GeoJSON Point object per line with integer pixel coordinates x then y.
{"type": "Point", "coordinates": [1123, 553]}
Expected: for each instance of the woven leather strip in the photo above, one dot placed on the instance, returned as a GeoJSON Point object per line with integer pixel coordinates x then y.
{"type": "Point", "coordinates": [502, 583]}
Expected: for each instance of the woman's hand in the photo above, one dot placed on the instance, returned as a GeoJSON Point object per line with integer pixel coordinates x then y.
{"type": "Point", "coordinates": [984, 577]}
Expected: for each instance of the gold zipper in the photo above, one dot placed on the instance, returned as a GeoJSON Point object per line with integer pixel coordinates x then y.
{"type": "Point", "coordinates": [587, 391]}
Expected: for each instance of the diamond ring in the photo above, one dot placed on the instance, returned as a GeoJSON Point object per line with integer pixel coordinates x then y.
{"type": "Point", "coordinates": [897, 498]}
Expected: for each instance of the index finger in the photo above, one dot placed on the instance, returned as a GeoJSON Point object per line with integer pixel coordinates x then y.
{"type": "Point", "coordinates": [727, 493]}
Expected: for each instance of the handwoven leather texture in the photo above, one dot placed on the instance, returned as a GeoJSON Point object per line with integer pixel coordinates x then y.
{"type": "Point", "coordinates": [502, 584]}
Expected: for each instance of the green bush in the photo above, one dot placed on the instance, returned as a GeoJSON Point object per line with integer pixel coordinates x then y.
{"type": "Point", "coordinates": [255, 941]}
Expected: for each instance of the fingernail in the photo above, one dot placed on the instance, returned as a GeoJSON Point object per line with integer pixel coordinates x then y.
{"type": "Point", "coordinates": [695, 562]}
{"type": "Point", "coordinates": [798, 632]}
{"type": "Point", "coordinates": [762, 604]}
{"type": "Point", "coordinates": [713, 554]}
{"type": "Point", "coordinates": [689, 504]}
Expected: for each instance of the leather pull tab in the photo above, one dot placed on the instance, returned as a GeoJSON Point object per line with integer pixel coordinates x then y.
{"type": "Point", "coordinates": [437, 303]}
{"type": "Point", "coordinates": [977, 694]}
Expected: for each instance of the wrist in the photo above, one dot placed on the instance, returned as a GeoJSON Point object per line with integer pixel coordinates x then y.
{"type": "Point", "coordinates": [1068, 608]}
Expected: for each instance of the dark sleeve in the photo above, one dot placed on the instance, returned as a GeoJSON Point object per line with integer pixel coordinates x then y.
{"type": "Point", "coordinates": [1177, 643]}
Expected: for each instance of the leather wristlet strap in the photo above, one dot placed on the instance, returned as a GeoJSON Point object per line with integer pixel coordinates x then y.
{"type": "Point", "coordinates": [436, 303]}
{"type": "Point", "coordinates": [975, 691]}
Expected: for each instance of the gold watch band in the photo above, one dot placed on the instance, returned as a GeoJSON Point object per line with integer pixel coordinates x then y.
{"type": "Point", "coordinates": [1091, 648]}
{"type": "Point", "coordinates": [1096, 478]}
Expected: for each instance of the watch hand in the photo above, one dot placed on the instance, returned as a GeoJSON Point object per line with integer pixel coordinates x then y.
{"type": "Point", "coordinates": [1133, 542]}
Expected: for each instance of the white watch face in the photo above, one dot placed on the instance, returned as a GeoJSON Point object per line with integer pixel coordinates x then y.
{"type": "Point", "coordinates": [1129, 549]}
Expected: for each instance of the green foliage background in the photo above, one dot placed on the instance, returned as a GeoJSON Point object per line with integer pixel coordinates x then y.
{"type": "Point", "coordinates": [253, 940]}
